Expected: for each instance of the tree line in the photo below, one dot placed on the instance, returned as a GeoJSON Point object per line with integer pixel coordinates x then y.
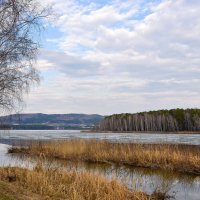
{"type": "Point", "coordinates": [162, 120]}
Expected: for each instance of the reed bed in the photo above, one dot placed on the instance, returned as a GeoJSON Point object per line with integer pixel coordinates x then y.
{"type": "Point", "coordinates": [184, 158]}
{"type": "Point", "coordinates": [41, 183]}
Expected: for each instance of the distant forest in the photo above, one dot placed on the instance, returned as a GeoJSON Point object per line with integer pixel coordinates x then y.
{"type": "Point", "coordinates": [162, 120]}
{"type": "Point", "coordinates": [40, 121]}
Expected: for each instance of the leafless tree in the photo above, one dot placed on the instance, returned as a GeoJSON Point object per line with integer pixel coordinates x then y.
{"type": "Point", "coordinates": [161, 121]}
{"type": "Point", "coordinates": [20, 23]}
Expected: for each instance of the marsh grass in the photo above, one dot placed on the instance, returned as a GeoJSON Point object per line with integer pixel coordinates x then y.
{"type": "Point", "coordinates": [5, 192]}
{"type": "Point", "coordinates": [184, 158]}
{"type": "Point", "coordinates": [42, 183]}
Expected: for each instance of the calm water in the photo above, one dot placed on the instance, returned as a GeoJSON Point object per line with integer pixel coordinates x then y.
{"type": "Point", "coordinates": [183, 186]}
{"type": "Point", "coordinates": [115, 137]}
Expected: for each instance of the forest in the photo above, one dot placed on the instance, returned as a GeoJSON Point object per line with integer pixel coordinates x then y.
{"type": "Point", "coordinates": [161, 120]}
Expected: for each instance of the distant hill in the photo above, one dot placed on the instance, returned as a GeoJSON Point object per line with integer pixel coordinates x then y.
{"type": "Point", "coordinates": [161, 120]}
{"type": "Point", "coordinates": [50, 121]}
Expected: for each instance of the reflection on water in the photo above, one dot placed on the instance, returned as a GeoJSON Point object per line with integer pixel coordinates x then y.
{"type": "Point", "coordinates": [183, 186]}
{"type": "Point", "coordinates": [14, 135]}
{"type": "Point", "coordinates": [13, 161]}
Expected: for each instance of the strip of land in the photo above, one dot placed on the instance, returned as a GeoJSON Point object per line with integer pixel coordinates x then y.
{"type": "Point", "coordinates": [183, 158]}
{"type": "Point", "coordinates": [143, 132]}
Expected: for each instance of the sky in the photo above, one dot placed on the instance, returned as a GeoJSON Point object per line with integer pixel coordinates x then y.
{"type": "Point", "coordinates": [118, 56]}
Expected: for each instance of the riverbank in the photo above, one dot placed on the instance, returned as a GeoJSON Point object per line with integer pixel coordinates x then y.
{"type": "Point", "coordinates": [142, 132]}
{"type": "Point", "coordinates": [48, 183]}
{"type": "Point", "coordinates": [183, 158]}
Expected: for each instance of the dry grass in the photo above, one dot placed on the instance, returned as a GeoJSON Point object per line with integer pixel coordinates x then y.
{"type": "Point", "coordinates": [59, 184]}
{"type": "Point", "coordinates": [6, 192]}
{"type": "Point", "coordinates": [183, 158]}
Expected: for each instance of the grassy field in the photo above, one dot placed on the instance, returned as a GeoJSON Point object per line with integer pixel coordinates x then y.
{"type": "Point", "coordinates": [40, 183]}
{"type": "Point", "coordinates": [183, 158]}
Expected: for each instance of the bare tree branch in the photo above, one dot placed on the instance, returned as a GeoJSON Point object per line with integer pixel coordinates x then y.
{"type": "Point", "coordinates": [20, 23]}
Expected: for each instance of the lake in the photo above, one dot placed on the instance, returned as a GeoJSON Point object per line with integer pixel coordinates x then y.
{"type": "Point", "coordinates": [12, 135]}
{"type": "Point", "coordinates": [182, 186]}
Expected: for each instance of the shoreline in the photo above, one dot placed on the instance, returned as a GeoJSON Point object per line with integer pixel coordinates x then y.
{"type": "Point", "coordinates": [142, 132]}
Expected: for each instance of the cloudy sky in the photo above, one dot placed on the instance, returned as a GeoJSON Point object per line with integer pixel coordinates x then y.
{"type": "Point", "coordinates": [114, 56]}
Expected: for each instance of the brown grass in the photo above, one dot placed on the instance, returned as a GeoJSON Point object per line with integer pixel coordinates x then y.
{"type": "Point", "coordinates": [183, 158]}
{"type": "Point", "coordinates": [59, 184]}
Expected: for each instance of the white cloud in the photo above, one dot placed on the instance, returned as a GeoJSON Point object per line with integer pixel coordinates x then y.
{"type": "Point", "coordinates": [122, 56]}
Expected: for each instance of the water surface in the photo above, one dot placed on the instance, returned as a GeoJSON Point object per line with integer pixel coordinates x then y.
{"type": "Point", "coordinates": [14, 135]}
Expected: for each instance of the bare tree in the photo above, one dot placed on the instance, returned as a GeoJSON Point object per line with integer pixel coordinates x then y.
{"type": "Point", "coordinates": [20, 23]}
{"type": "Point", "coordinates": [162, 120]}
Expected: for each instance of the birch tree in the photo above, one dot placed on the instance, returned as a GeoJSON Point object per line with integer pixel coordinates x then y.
{"type": "Point", "coordinates": [20, 23]}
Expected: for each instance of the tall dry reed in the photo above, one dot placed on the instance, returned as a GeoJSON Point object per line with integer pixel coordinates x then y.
{"type": "Point", "coordinates": [58, 184]}
{"type": "Point", "coordinates": [166, 156]}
